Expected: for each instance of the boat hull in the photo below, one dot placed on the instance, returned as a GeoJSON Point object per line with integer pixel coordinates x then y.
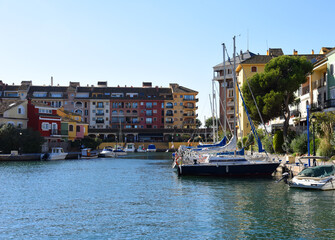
{"type": "Point", "coordinates": [237, 170]}
{"type": "Point", "coordinates": [313, 184]}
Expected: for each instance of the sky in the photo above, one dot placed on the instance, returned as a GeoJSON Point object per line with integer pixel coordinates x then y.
{"type": "Point", "coordinates": [135, 41]}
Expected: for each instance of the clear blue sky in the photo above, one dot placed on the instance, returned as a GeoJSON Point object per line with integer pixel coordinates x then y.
{"type": "Point", "coordinates": [128, 42]}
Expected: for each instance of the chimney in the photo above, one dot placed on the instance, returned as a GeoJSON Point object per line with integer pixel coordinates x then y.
{"type": "Point", "coordinates": [147, 84]}
{"type": "Point", "coordinates": [312, 51]}
{"type": "Point", "coordinates": [295, 52]}
{"type": "Point", "coordinates": [52, 81]}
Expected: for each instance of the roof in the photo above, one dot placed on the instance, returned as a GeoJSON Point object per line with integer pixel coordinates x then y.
{"type": "Point", "coordinates": [180, 89]}
{"type": "Point", "coordinates": [10, 106]}
{"type": "Point", "coordinates": [258, 59]}
{"type": "Point", "coordinates": [239, 58]}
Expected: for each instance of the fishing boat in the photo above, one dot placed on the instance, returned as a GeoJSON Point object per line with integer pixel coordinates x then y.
{"type": "Point", "coordinates": [141, 149]}
{"type": "Point", "coordinates": [151, 148]}
{"type": "Point", "coordinates": [57, 153]}
{"type": "Point", "coordinates": [87, 153]}
{"type": "Point", "coordinates": [130, 147]}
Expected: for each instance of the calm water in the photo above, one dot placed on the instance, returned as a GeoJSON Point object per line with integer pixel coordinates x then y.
{"type": "Point", "coordinates": [143, 198]}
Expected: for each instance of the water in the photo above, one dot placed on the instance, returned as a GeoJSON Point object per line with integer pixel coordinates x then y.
{"type": "Point", "coordinates": [143, 198]}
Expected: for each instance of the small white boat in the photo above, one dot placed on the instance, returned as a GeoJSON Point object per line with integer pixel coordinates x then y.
{"type": "Point", "coordinates": [318, 177]}
{"type": "Point", "coordinates": [141, 149]}
{"type": "Point", "coordinates": [107, 152]}
{"type": "Point", "coordinates": [130, 147]}
{"type": "Point", "coordinates": [151, 148]}
{"type": "Point", "coordinates": [119, 151]}
{"type": "Point", "coordinates": [87, 153]}
{"type": "Point", "coordinates": [57, 153]}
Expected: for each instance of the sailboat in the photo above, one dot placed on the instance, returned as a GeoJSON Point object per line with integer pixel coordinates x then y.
{"type": "Point", "coordinates": [224, 160]}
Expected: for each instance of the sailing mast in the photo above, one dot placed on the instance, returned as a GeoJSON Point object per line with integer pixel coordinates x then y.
{"type": "Point", "coordinates": [224, 88]}
{"type": "Point", "coordinates": [234, 89]}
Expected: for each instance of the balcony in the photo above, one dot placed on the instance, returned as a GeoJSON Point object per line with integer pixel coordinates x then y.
{"type": "Point", "coordinates": [169, 114]}
{"type": "Point", "coordinates": [305, 90]}
{"type": "Point", "coordinates": [230, 112]}
{"type": "Point", "coordinates": [100, 106]}
{"type": "Point", "coordinates": [54, 132]}
{"type": "Point", "coordinates": [100, 114]}
{"type": "Point", "coordinates": [230, 104]}
{"type": "Point", "coordinates": [169, 121]}
{"type": "Point", "coordinates": [100, 121]}
{"type": "Point", "coordinates": [189, 122]}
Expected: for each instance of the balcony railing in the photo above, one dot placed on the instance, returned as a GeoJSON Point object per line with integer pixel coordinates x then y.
{"type": "Point", "coordinates": [100, 114]}
{"type": "Point", "coordinates": [230, 104]}
{"type": "Point", "coordinates": [100, 121]}
{"type": "Point", "coordinates": [54, 131]}
{"type": "Point", "coordinates": [169, 121]}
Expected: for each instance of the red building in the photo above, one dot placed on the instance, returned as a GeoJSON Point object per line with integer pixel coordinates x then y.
{"type": "Point", "coordinates": [44, 118]}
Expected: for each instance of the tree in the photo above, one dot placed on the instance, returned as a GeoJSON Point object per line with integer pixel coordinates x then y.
{"type": "Point", "coordinates": [209, 122]}
{"type": "Point", "coordinates": [274, 89]}
{"type": "Point", "coordinates": [24, 140]}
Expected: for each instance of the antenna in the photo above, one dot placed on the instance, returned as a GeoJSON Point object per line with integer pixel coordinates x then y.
{"type": "Point", "coordinates": [248, 39]}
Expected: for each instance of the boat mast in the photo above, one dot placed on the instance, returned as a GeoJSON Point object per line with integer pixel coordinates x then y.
{"type": "Point", "coordinates": [213, 112]}
{"type": "Point", "coordinates": [224, 88]}
{"type": "Point", "coordinates": [234, 89]}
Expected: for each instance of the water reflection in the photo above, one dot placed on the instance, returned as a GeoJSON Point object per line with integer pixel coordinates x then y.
{"type": "Point", "coordinates": [142, 197]}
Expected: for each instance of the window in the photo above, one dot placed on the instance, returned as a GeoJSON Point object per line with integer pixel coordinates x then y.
{"type": "Point", "coordinates": [71, 128]}
{"type": "Point", "coordinates": [331, 69]}
{"type": "Point", "coordinates": [20, 110]}
{"type": "Point", "coordinates": [181, 96]}
{"type": "Point", "coordinates": [148, 105]}
{"type": "Point", "coordinates": [148, 113]}
{"type": "Point", "coordinates": [253, 69]}
{"type": "Point", "coordinates": [86, 112]}
{"type": "Point", "coordinates": [175, 104]}
{"type": "Point", "coordinates": [45, 126]}
{"type": "Point", "coordinates": [78, 128]}
{"type": "Point", "coordinates": [19, 124]}
{"type": "Point", "coordinates": [155, 104]}
{"type": "Point", "coordinates": [189, 97]}
{"type": "Point", "coordinates": [155, 111]}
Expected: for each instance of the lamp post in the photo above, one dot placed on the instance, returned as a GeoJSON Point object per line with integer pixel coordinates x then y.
{"type": "Point", "coordinates": [313, 119]}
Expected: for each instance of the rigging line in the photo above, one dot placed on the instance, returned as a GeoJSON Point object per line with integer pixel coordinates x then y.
{"type": "Point", "coordinates": [224, 109]}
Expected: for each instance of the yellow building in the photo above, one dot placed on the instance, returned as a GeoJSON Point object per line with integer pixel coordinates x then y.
{"type": "Point", "coordinates": [247, 69]}
{"type": "Point", "coordinates": [181, 111]}
{"type": "Point", "coordinates": [15, 114]}
{"type": "Point", "coordinates": [72, 126]}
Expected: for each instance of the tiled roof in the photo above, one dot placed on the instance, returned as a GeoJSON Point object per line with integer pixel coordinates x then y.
{"type": "Point", "coordinates": [258, 59]}
{"type": "Point", "coordinates": [228, 62]}
{"type": "Point", "coordinates": [180, 89]}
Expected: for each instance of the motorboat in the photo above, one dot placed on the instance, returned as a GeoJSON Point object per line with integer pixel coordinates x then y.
{"type": "Point", "coordinates": [119, 151]}
{"type": "Point", "coordinates": [318, 177]}
{"type": "Point", "coordinates": [107, 152]}
{"type": "Point", "coordinates": [141, 149]}
{"type": "Point", "coordinates": [227, 166]}
{"type": "Point", "coordinates": [151, 148]}
{"type": "Point", "coordinates": [57, 153]}
{"type": "Point", "coordinates": [87, 153]}
{"type": "Point", "coordinates": [130, 147]}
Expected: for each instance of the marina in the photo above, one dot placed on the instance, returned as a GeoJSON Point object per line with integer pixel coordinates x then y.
{"type": "Point", "coordinates": [141, 197]}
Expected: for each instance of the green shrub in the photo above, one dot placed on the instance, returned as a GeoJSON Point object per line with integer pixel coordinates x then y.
{"type": "Point", "coordinates": [267, 144]}
{"type": "Point", "coordinates": [325, 148]}
{"type": "Point", "coordinates": [299, 144]}
{"type": "Point", "coordinates": [278, 141]}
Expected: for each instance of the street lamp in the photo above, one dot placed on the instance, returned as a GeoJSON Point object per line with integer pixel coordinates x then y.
{"type": "Point", "coordinates": [313, 119]}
